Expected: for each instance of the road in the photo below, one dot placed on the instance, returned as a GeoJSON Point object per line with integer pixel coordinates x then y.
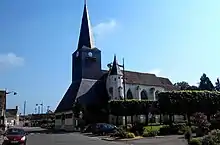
{"type": "Point", "coordinates": [66, 139]}
{"type": "Point", "coordinates": [36, 138]}
{"type": "Point", "coordinates": [79, 139]}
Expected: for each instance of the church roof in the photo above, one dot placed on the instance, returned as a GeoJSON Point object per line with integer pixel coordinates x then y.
{"type": "Point", "coordinates": [147, 79]}
{"type": "Point", "coordinates": [85, 36]}
{"type": "Point", "coordinates": [86, 91]}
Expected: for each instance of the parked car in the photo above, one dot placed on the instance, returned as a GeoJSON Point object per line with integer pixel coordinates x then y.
{"type": "Point", "coordinates": [100, 128]}
{"type": "Point", "coordinates": [15, 136]}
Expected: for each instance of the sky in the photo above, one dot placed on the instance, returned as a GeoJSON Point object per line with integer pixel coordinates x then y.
{"type": "Point", "coordinates": [174, 39]}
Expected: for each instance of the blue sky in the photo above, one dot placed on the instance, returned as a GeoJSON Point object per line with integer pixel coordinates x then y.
{"type": "Point", "coordinates": [175, 39]}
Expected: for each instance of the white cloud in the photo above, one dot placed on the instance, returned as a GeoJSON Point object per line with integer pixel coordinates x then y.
{"type": "Point", "coordinates": [104, 28]}
{"type": "Point", "coordinates": [156, 72]}
{"type": "Point", "coordinates": [10, 60]}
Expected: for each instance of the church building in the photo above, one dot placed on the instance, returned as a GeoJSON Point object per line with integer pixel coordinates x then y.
{"type": "Point", "coordinates": [92, 86]}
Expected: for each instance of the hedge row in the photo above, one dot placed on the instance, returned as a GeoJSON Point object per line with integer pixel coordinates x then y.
{"type": "Point", "coordinates": [189, 102]}
{"type": "Point", "coordinates": [174, 102]}
{"type": "Point", "coordinates": [132, 107]}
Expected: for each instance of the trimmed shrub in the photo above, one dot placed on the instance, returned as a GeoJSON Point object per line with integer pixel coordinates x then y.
{"type": "Point", "coordinates": [137, 129]}
{"type": "Point", "coordinates": [209, 140]}
{"type": "Point", "coordinates": [188, 135]}
{"type": "Point", "coordinates": [173, 129]}
{"type": "Point", "coordinates": [175, 102]}
{"type": "Point", "coordinates": [123, 134]}
{"type": "Point", "coordinates": [151, 133]}
{"type": "Point", "coordinates": [195, 141]}
{"type": "Point", "coordinates": [130, 135]}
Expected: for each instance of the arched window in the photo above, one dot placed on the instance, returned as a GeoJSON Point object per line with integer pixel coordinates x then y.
{"type": "Point", "coordinates": [156, 94]}
{"type": "Point", "coordinates": [152, 90]}
{"type": "Point", "coordinates": [144, 95]}
{"type": "Point", "coordinates": [129, 94]}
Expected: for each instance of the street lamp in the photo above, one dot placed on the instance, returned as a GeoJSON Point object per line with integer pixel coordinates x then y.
{"type": "Point", "coordinates": [14, 93]}
{"type": "Point", "coordinates": [4, 106]}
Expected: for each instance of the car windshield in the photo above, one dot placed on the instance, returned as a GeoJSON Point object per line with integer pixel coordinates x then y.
{"type": "Point", "coordinates": [15, 131]}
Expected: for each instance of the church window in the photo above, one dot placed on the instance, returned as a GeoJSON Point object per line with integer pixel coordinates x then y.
{"type": "Point", "coordinates": [129, 94]}
{"type": "Point", "coordinates": [144, 95]}
{"type": "Point", "coordinates": [111, 91]}
{"type": "Point", "coordinates": [152, 90]}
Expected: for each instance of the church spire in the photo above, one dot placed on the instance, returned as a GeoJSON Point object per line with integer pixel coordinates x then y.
{"type": "Point", "coordinates": [85, 36]}
{"type": "Point", "coordinates": [115, 70]}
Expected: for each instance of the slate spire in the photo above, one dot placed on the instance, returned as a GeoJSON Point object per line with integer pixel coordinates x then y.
{"type": "Point", "coordinates": [85, 36]}
{"type": "Point", "coordinates": [115, 70]}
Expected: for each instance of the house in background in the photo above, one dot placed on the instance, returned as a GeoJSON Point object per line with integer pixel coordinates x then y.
{"type": "Point", "coordinates": [12, 116]}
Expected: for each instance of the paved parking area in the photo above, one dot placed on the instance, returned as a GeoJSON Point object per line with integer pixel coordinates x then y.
{"type": "Point", "coordinates": [67, 139]}
{"type": "Point", "coordinates": [80, 139]}
{"type": "Point", "coordinates": [167, 140]}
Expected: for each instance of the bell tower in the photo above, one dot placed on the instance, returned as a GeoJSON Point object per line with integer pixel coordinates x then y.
{"type": "Point", "coordinates": [86, 60]}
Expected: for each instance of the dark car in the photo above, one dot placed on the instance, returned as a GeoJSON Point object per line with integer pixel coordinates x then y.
{"type": "Point", "coordinates": [100, 128]}
{"type": "Point", "coordinates": [104, 128]}
{"type": "Point", "coordinates": [15, 136]}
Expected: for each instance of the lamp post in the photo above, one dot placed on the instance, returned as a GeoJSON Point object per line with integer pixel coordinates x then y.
{"type": "Point", "coordinates": [7, 93]}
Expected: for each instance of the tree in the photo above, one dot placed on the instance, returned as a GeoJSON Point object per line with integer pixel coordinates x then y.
{"type": "Point", "coordinates": [192, 88]}
{"type": "Point", "coordinates": [182, 85]}
{"type": "Point", "coordinates": [205, 83]}
{"type": "Point", "coordinates": [217, 85]}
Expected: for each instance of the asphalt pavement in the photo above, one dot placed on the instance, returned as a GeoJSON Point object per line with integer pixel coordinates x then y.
{"type": "Point", "coordinates": [37, 136]}
{"type": "Point", "coordinates": [66, 139]}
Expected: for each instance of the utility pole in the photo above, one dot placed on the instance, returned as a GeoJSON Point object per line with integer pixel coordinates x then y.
{"type": "Point", "coordinates": [123, 66]}
{"type": "Point", "coordinates": [25, 107]}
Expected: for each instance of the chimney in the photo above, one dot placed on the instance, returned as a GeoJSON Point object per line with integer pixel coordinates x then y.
{"type": "Point", "coordinates": [16, 107]}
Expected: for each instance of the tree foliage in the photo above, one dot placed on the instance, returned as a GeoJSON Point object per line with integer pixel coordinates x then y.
{"type": "Point", "coordinates": [182, 85]}
{"type": "Point", "coordinates": [217, 85]}
{"type": "Point", "coordinates": [185, 86]}
{"type": "Point", "coordinates": [205, 83]}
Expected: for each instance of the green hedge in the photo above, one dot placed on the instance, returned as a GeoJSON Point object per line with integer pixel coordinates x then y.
{"type": "Point", "coordinates": [132, 107]}
{"type": "Point", "coordinates": [189, 102]}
